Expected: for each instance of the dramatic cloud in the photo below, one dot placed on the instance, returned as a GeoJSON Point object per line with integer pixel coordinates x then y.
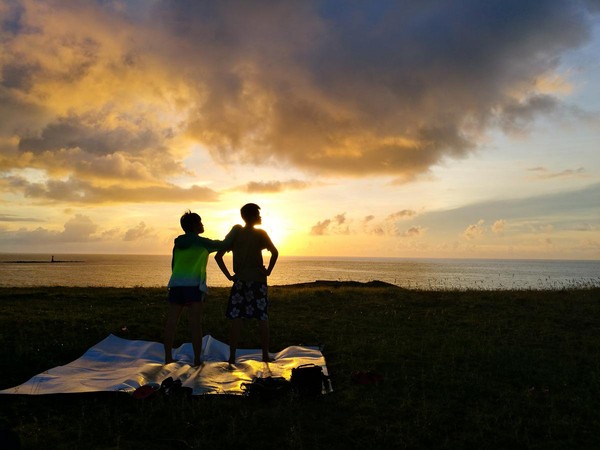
{"type": "Point", "coordinates": [96, 91]}
{"type": "Point", "coordinates": [518, 116]}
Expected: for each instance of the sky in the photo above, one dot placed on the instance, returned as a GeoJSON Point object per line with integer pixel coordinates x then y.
{"type": "Point", "coordinates": [408, 129]}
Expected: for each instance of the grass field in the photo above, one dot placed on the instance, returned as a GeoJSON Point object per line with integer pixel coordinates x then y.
{"type": "Point", "coordinates": [462, 369]}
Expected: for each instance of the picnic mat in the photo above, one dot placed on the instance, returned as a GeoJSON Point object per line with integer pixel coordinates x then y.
{"type": "Point", "coordinates": [117, 364]}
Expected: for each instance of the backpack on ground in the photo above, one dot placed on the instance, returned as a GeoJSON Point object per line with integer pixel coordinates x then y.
{"type": "Point", "coordinates": [308, 380]}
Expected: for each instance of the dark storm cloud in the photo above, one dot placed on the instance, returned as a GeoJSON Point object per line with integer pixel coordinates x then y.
{"type": "Point", "coordinates": [343, 88]}
{"type": "Point", "coordinates": [373, 87]}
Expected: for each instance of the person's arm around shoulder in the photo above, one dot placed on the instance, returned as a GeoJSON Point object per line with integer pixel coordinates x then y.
{"type": "Point", "coordinates": [227, 243]}
{"type": "Point", "coordinates": [274, 253]}
{"type": "Point", "coordinates": [230, 238]}
{"type": "Point", "coordinates": [213, 245]}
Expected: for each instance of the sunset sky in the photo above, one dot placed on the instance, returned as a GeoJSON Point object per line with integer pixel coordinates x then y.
{"type": "Point", "coordinates": [465, 129]}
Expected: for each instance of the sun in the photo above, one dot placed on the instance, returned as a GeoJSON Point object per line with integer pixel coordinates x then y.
{"type": "Point", "coordinates": [276, 227]}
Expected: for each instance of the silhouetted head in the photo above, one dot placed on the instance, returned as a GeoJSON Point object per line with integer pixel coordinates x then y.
{"type": "Point", "coordinates": [191, 222]}
{"type": "Point", "coordinates": [251, 214]}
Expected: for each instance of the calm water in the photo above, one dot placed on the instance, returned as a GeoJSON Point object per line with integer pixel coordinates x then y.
{"type": "Point", "coordinates": [154, 271]}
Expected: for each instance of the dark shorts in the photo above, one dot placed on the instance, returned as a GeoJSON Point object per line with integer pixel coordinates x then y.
{"type": "Point", "coordinates": [184, 295]}
{"type": "Point", "coordinates": [248, 300]}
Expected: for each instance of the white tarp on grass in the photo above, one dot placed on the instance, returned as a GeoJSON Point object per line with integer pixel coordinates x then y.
{"type": "Point", "coordinates": [117, 364]}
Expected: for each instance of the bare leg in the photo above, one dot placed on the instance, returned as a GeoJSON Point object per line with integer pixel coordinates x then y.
{"type": "Point", "coordinates": [196, 328]}
{"type": "Point", "coordinates": [263, 326]}
{"type": "Point", "coordinates": [235, 326]}
{"type": "Point", "coordinates": [170, 327]}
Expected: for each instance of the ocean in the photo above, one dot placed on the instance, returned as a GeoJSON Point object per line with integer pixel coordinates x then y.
{"type": "Point", "coordinates": [20, 270]}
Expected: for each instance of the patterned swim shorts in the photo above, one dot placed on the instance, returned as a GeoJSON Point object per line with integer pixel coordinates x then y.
{"type": "Point", "coordinates": [248, 300]}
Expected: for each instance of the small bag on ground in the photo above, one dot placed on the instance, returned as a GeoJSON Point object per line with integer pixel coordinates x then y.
{"type": "Point", "coordinates": [267, 388]}
{"type": "Point", "coordinates": [308, 379]}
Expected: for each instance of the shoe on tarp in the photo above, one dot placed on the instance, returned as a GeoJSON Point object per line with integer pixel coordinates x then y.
{"type": "Point", "coordinates": [172, 387]}
{"type": "Point", "coordinates": [267, 388]}
{"type": "Point", "coordinates": [146, 391]}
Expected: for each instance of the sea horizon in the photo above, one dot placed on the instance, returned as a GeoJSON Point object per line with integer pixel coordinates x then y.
{"type": "Point", "coordinates": [134, 270]}
{"type": "Point", "coordinates": [333, 257]}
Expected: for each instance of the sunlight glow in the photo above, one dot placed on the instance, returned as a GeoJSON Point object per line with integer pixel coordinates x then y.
{"type": "Point", "coordinates": [277, 229]}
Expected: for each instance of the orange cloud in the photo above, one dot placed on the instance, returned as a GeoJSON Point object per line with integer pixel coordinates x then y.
{"type": "Point", "coordinates": [499, 226]}
{"type": "Point", "coordinates": [390, 226]}
{"type": "Point", "coordinates": [269, 187]}
{"type": "Point", "coordinates": [475, 230]}
{"type": "Point", "coordinates": [141, 231]}
{"type": "Point", "coordinates": [79, 228]}
{"type": "Point", "coordinates": [98, 91]}
{"type": "Point", "coordinates": [74, 191]}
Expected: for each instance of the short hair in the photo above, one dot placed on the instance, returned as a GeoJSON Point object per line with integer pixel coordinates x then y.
{"type": "Point", "coordinates": [249, 210]}
{"type": "Point", "coordinates": [189, 220]}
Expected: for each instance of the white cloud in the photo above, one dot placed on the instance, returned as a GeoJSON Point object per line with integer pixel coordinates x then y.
{"type": "Point", "coordinates": [320, 228]}
{"type": "Point", "coordinates": [499, 226]}
{"type": "Point", "coordinates": [416, 231]}
{"type": "Point", "coordinates": [141, 231]}
{"type": "Point", "coordinates": [79, 229]}
{"type": "Point", "coordinates": [544, 174]}
{"type": "Point", "coordinates": [474, 230]}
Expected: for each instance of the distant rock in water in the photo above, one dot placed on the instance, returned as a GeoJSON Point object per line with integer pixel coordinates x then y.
{"type": "Point", "coordinates": [338, 284]}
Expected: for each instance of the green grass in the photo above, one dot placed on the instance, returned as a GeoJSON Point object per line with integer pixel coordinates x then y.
{"type": "Point", "coordinates": [462, 369]}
